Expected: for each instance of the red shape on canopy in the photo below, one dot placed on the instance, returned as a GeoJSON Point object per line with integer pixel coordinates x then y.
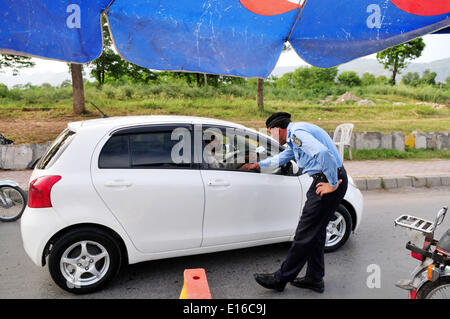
{"type": "Point", "coordinates": [423, 7]}
{"type": "Point", "coordinates": [270, 7]}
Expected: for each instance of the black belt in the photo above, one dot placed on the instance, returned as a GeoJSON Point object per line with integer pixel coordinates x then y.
{"type": "Point", "coordinates": [340, 170]}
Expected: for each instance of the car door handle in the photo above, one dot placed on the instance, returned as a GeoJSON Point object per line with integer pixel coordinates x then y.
{"type": "Point", "coordinates": [118, 183]}
{"type": "Point", "coordinates": [218, 183]}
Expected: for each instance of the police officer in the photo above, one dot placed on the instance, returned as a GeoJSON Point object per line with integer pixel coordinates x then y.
{"type": "Point", "coordinates": [315, 152]}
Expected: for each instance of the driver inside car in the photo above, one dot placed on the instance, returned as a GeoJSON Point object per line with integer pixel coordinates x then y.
{"type": "Point", "coordinates": [244, 154]}
{"type": "Point", "coordinates": [251, 156]}
{"type": "Point", "coordinates": [241, 151]}
{"type": "Point", "coordinates": [211, 145]}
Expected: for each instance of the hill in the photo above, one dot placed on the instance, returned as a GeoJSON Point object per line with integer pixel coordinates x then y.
{"type": "Point", "coordinates": [360, 66]}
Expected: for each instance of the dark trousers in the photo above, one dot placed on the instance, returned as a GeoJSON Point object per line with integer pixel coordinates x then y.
{"type": "Point", "coordinates": [310, 236]}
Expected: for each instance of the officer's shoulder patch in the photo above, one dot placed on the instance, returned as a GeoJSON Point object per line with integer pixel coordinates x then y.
{"type": "Point", "coordinates": [296, 140]}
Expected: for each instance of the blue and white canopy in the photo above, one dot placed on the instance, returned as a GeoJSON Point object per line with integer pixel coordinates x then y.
{"type": "Point", "coordinates": [229, 37]}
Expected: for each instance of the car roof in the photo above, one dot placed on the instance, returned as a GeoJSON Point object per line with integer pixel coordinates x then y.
{"type": "Point", "coordinates": [124, 121]}
{"type": "Point", "coordinates": [113, 122]}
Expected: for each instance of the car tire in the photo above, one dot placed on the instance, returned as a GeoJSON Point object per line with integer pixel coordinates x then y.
{"type": "Point", "coordinates": [338, 229]}
{"type": "Point", "coordinates": [84, 260]}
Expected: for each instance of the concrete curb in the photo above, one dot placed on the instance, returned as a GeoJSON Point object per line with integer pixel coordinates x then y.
{"type": "Point", "coordinates": [392, 182]}
{"type": "Point", "coordinates": [19, 157]}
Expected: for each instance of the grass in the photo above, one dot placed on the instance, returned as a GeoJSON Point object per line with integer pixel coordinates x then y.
{"type": "Point", "coordinates": [383, 117]}
{"type": "Point", "coordinates": [408, 154]}
{"type": "Point", "coordinates": [37, 114]}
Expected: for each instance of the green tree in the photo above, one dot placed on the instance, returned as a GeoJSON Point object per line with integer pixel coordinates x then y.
{"type": "Point", "coordinates": [395, 59]}
{"type": "Point", "coordinates": [15, 62]}
{"type": "Point", "coordinates": [65, 83]}
{"type": "Point", "coordinates": [77, 88]}
{"type": "Point", "coordinates": [349, 78]}
{"type": "Point", "coordinates": [3, 90]}
{"type": "Point", "coordinates": [381, 79]}
{"type": "Point", "coordinates": [285, 81]}
{"type": "Point", "coordinates": [411, 79]}
{"type": "Point", "coordinates": [428, 77]}
{"type": "Point", "coordinates": [111, 66]}
{"type": "Point", "coordinates": [367, 79]}
{"type": "Point", "coordinates": [308, 77]}
{"type": "Point", "coordinates": [260, 82]}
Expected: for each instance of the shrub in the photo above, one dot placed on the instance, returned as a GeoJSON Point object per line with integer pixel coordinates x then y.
{"type": "Point", "coordinates": [411, 79]}
{"type": "Point", "coordinates": [127, 92]}
{"type": "Point", "coordinates": [307, 77]}
{"type": "Point", "coordinates": [381, 80]}
{"type": "Point", "coordinates": [3, 90]}
{"type": "Point", "coordinates": [368, 79]}
{"type": "Point", "coordinates": [349, 78]}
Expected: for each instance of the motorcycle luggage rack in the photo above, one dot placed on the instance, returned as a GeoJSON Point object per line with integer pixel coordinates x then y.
{"type": "Point", "coordinates": [415, 223]}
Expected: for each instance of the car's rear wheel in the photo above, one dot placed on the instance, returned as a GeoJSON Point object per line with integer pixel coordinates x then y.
{"type": "Point", "coordinates": [338, 229]}
{"type": "Point", "coordinates": [84, 260]}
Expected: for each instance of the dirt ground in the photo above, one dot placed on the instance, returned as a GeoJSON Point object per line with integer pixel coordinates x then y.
{"type": "Point", "coordinates": [38, 132]}
{"type": "Point", "coordinates": [38, 127]}
{"type": "Point", "coordinates": [34, 131]}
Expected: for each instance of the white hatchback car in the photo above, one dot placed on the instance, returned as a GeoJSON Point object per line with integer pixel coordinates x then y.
{"type": "Point", "coordinates": [123, 190]}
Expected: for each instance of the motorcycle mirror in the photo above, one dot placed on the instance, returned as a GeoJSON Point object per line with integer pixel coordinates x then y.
{"type": "Point", "coordinates": [441, 215]}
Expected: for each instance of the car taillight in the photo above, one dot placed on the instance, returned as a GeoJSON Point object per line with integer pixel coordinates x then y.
{"type": "Point", "coordinates": [39, 191]}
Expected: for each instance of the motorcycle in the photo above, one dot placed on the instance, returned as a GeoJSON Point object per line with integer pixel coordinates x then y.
{"type": "Point", "coordinates": [4, 140]}
{"type": "Point", "coordinates": [12, 201]}
{"type": "Point", "coordinates": [431, 278]}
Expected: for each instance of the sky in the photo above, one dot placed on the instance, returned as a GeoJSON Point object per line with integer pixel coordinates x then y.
{"type": "Point", "coordinates": [437, 47]}
{"type": "Point", "coordinates": [54, 72]}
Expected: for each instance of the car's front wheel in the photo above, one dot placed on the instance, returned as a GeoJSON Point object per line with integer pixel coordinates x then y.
{"type": "Point", "coordinates": [338, 229]}
{"type": "Point", "coordinates": [84, 260]}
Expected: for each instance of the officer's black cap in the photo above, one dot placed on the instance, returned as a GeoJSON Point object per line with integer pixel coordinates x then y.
{"type": "Point", "coordinates": [279, 119]}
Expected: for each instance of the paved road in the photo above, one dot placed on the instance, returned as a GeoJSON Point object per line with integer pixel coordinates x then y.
{"type": "Point", "coordinates": [230, 273]}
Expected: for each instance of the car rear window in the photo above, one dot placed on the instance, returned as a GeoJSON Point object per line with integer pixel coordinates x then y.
{"type": "Point", "coordinates": [56, 149]}
{"type": "Point", "coordinates": [115, 153]}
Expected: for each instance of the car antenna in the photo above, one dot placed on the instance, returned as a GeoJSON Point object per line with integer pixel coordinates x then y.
{"type": "Point", "coordinates": [104, 115]}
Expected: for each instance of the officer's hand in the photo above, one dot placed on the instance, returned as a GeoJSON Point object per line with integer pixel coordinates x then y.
{"type": "Point", "coordinates": [250, 167]}
{"type": "Point", "coordinates": [325, 188]}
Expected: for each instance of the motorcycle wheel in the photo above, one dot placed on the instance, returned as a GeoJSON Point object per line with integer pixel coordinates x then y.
{"type": "Point", "coordinates": [439, 289]}
{"type": "Point", "coordinates": [17, 200]}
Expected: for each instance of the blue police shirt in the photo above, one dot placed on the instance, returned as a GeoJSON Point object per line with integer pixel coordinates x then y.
{"type": "Point", "coordinates": [313, 150]}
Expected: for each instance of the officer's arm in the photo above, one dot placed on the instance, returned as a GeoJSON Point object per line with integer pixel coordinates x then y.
{"type": "Point", "coordinates": [314, 148]}
{"type": "Point", "coordinates": [278, 160]}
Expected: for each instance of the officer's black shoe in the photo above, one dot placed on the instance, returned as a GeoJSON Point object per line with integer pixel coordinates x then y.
{"type": "Point", "coordinates": [269, 281]}
{"type": "Point", "coordinates": [309, 283]}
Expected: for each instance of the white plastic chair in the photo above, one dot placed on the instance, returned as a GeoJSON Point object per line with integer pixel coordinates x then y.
{"type": "Point", "coordinates": [342, 137]}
